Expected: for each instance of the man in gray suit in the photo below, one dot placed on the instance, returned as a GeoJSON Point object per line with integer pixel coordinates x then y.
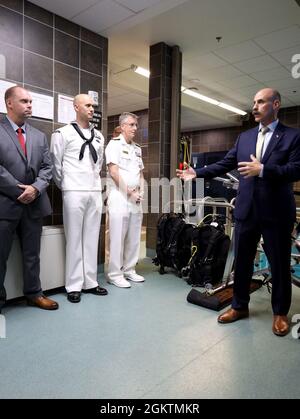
{"type": "Point", "coordinates": [25, 173]}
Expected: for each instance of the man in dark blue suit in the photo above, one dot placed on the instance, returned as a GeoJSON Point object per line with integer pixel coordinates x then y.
{"type": "Point", "coordinates": [268, 159]}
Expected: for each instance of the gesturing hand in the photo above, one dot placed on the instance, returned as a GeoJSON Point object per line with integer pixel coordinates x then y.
{"type": "Point", "coordinates": [187, 174]}
{"type": "Point", "coordinates": [250, 168]}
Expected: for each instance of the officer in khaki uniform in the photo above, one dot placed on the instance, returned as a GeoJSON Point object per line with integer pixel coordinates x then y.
{"type": "Point", "coordinates": [125, 167]}
{"type": "Point", "coordinates": [77, 154]}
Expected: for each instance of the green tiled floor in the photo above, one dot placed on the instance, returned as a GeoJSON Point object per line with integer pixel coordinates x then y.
{"type": "Point", "coordinates": [146, 342]}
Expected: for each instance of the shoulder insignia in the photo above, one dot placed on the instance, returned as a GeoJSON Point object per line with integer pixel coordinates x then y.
{"type": "Point", "coordinates": [137, 145]}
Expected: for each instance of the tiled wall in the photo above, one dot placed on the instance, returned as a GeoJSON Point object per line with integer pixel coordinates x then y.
{"type": "Point", "coordinates": [219, 139]}
{"type": "Point", "coordinates": [160, 110]}
{"type": "Point", "coordinates": [50, 55]}
{"type": "Point", "coordinates": [224, 138]}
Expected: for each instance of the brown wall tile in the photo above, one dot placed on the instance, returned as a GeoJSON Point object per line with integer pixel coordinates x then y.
{"type": "Point", "coordinates": [13, 4]}
{"type": "Point", "coordinates": [66, 49]}
{"type": "Point", "coordinates": [90, 82]}
{"type": "Point", "coordinates": [38, 38]}
{"type": "Point", "coordinates": [67, 26]}
{"type": "Point", "coordinates": [91, 58]}
{"type": "Point", "coordinates": [66, 79]}
{"type": "Point", "coordinates": [38, 71]}
{"type": "Point", "coordinates": [155, 88]}
{"type": "Point", "coordinates": [14, 62]}
{"type": "Point", "coordinates": [11, 27]}
{"type": "Point", "coordinates": [154, 110]}
{"type": "Point", "coordinates": [36, 12]}
{"type": "Point", "coordinates": [93, 38]}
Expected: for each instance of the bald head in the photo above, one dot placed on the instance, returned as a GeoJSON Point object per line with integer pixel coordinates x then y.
{"type": "Point", "coordinates": [266, 105]}
{"type": "Point", "coordinates": [84, 108]}
{"type": "Point", "coordinates": [82, 97]}
{"type": "Point", "coordinates": [272, 94]}
{"type": "Point", "coordinates": [13, 91]}
{"type": "Point", "coordinates": [18, 103]}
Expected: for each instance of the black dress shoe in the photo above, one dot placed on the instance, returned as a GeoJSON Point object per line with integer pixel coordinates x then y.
{"type": "Point", "coordinates": [97, 291]}
{"type": "Point", "coordinates": [74, 296]}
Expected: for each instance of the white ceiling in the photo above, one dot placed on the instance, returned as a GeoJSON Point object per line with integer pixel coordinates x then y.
{"type": "Point", "coordinates": [258, 41]}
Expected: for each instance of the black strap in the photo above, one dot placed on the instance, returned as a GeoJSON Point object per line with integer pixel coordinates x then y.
{"type": "Point", "coordinates": [86, 142]}
{"type": "Point", "coordinates": [213, 239]}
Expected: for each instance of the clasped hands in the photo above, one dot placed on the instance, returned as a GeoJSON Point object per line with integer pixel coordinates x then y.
{"type": "Point", "coordinates": [29, 194]}
{"type": "Point", "coordinates": [135, 195]}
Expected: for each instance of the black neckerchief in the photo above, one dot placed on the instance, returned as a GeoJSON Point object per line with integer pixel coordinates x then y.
{"type": "Point", "coordinates": [86, 142]}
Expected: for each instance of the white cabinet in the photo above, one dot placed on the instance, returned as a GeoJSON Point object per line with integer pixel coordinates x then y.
{"type": "Point", "coordinates": [53, 256]}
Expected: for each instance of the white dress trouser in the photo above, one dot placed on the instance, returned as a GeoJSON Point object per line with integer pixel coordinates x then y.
{"type": "Point", "coordinates": [82, 218]}
{"type": "Point", "coordinates": [125, 224]}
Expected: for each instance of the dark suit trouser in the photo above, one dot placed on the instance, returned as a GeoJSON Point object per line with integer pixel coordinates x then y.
{"type": "Point", "coordinates": [29, 232]}
{"type": "Point", "coordinates": [277, 246]}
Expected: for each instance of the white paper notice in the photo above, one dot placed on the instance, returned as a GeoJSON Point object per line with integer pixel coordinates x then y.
{"type": "Point", "coordinates": [4, 85]}
{"type": "Point", "coordinates": [66, 112]}
{"type": "Point", "coordinates": [42, 106]}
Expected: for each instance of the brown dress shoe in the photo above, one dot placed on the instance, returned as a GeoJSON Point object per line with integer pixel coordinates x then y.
{"type": "Point", "coordinates": [281, 325]}
{"type": "Point", "coordinates": [232, 315]}
{"type": "Point", "coordinates": [42, 302]}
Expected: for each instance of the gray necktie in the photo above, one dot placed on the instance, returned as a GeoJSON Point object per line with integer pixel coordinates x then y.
{"type": "Point", "coordinates": [260, 142]}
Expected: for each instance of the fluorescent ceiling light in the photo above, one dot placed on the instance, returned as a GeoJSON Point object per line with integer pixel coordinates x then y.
{"type": "Point", "coordinates": [140, 70]}
{"type": "Point", "coordinates": [212, 101]}
{"type": "Point", "coordinates": [232, 108]}
{"type": "Point", "coordinates": [199, 96]}
{"type": "Point", "coordinates": [146, 73]}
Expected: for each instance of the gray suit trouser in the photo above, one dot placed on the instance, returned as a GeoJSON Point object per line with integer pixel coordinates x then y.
{"type": "Point", "coordinates": [29, 231]}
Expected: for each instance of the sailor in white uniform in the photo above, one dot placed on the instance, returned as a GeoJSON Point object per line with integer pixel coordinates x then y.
{"type": "Point", "coordinates": [125, 167]}
{"type": "Point", "coordinates": [77, 156]}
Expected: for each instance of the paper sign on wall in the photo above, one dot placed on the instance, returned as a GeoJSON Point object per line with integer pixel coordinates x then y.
{"type": "Point", "coordinates": [66, 112]}
{"type": "Point", "coordinates": [42, 106]}
{"type": "Point", "coordinates": [94, 95]}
